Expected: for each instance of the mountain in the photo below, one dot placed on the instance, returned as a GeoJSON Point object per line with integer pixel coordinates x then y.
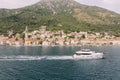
{"type": "Point", "coordinates": [68, 15]}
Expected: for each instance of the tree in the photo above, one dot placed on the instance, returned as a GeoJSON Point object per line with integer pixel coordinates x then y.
{"type": "Point", "coordinates": [83, 36]}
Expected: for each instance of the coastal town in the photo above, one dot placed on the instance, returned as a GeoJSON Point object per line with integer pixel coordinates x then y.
{"type": "Point", "coordinates": [43, 37]}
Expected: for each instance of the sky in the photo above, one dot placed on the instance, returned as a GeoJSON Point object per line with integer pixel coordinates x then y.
{"type": "Point", "coordinates": [112, 5]}
{"type": "Point", "coordinates": [13, 4]}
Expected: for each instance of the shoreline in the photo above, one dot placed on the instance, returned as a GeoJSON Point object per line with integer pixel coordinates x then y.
{"type": "Point", "coordinates": [57, 45]}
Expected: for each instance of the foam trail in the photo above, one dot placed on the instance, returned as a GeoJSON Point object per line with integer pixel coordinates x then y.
{"type": "Point", "coordinates": [3, 58]}
{"type": "Point", "coordinates": [59, 57]}
{"type": "Point", "coordinates": [21, 57]}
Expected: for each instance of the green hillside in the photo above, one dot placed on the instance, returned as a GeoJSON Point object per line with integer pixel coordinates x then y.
{"type": "Point", "coordinates": [68, 15]}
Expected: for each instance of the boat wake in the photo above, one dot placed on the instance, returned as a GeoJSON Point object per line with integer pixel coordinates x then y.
{"type": "Point", "coordinates": [3, 58]}
{"type": "Point", "coordinates": [59, 57]}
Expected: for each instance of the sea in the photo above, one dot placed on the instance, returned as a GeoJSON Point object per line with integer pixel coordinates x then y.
{"type": "Point", "coordinates": [57, 63]}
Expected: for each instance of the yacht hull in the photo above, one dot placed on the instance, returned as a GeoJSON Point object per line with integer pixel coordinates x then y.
{"type": "Point", "coordinates": [92, 56]}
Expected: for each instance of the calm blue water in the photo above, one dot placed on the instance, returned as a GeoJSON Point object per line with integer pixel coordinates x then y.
{"type": "Point", "coordinates": [55, 63]}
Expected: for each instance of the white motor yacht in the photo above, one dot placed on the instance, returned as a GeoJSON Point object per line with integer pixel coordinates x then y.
{"type": "Point", "coordinates": [87, 54]}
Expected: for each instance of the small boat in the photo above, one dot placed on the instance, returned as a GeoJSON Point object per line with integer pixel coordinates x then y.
{"type": "Point", "coordinates": [87, 54]}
